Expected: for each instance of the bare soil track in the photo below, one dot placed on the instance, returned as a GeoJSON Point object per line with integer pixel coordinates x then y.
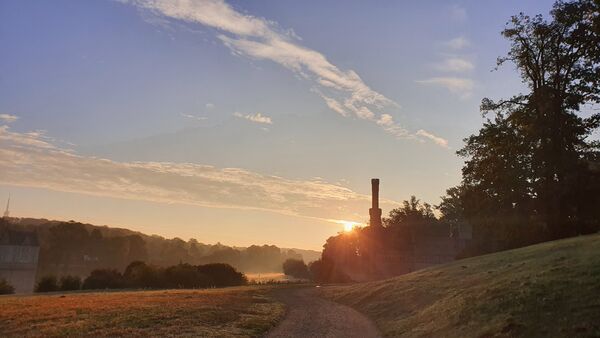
{"type": "Point", "coordinates": [310, 315]}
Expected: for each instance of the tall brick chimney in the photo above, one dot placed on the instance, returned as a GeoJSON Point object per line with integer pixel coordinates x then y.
{"type": "Point", "coordinates": [375, 211]}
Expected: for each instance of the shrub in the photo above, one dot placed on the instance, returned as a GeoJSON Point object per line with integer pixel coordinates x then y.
{"type": "Point", "coordinates": [140, 275]}
{"type": "Point", "coordinates": [5, 287]}
{"type": "Point", "coordinates": [47, 284]}
{"type": "Point", "coordinates": [69, 283]}
{"type": "Point", "coordinates": [104, 279]}
{"type": "Point", "coordinates": [185, 276]}
{"type": "Point", "coordinates": [295, 268]}
{"type": "Point", "coordinates": [220, 275]}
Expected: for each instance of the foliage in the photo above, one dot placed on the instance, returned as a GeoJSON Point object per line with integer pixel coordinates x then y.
{"type": "Point", "coordinates": [47, 284]}
{"type": "Point", "coordinates": [411, 213]}
{"type": "Point", "coordinates": [370, 253]}
{"type": "Point", "coordinates": [295, 268]}
{"type": "Point", "coordinates": [181, 276]}
{"type": "Point", "coordinates": [69, 283]}
{"type": "Point", "coordinates": [529, 173]}
{"type": "Point", "coordinates": [104, 279]}
{"type": "Point", "coordinates": [77, 249]}
{"type": "Point", "coordinates": [220, 275]}
{"type": "Point", "coordinates": [140, 275]}
{"type": "Point", "coordinates": [5, 287]}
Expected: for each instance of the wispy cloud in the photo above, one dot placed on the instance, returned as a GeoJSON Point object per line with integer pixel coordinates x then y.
{"type": "Point", "coordinates": [194, 117]}
{"type": "Point", "coordinates": [457, 43]}
{"type": "Point", "coordinates": [28, 159]}
{"type": "Point", "coordinates": [8, 118]}
{"type": "Point", "coordinates": [342, 90]}
{"type": "Point", "coordinates": [457, 85]}
{"type": "Point", "coordinates": [455, 64]}
{"type": "Point", "coordinates": [438, 140]}
{"type": "Point", "coordinates": [257, 118]}
{"type": "Point", "coordinates": [461, 85]}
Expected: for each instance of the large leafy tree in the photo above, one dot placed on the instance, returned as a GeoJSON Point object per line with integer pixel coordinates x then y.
{"type": "Point", "coordinates": [528, 171]}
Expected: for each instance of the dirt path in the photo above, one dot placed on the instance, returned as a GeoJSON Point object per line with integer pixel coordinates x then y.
{"type": "Point", "coordinates": [309, 315]}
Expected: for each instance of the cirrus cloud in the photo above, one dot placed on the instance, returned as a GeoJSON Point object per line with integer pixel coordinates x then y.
{"type": "Point", "coordinates": [245, 35]}
{"type": "Point", "coordinates": [8, 118]}
{"type": "Point", "coordinates": [257, 118]}
{"type": "Point", "coordinates": [33, 160]}
{"type": "Point", "coordinates": [456, 85]}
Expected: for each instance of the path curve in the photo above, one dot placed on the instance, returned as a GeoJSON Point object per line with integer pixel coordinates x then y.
{"type": "Point", "coordinates": [309, 315]}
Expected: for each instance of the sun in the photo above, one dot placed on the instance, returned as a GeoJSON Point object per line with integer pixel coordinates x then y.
{"type": "Point", "coordinates": [349, 225]}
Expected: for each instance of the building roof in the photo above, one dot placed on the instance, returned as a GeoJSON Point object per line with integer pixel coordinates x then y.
{"type": "Point", "coordinates": [17, 237]}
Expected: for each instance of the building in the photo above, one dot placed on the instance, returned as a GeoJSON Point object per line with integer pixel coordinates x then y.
{"type": "Point", "coordinates": [19, 252]}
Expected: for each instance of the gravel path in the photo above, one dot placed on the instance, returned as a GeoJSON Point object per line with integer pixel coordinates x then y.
{"type": "Point", "coordinates": [309, 315]}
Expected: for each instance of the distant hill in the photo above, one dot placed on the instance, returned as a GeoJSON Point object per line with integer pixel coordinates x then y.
{"type": "Point", "coordinates": [77, 248]}
{"type": "Point", "coordinates": [545, 290]}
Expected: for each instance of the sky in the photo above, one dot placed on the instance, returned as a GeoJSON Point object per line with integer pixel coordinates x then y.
{"type": "Point", "coordinates": [241, 122]}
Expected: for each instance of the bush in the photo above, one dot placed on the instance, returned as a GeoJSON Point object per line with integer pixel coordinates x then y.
{"type": "Point", "coordinates": [104, 279]}
{"type": "Point", "coordinates": [69, 283]}
{"type": "Point", "coordinates": [295, 268]}
{"type": "Point", "coordinates": [5, 287]}
{"type": "Point", "coordinates": [140, 275]}
{"type": "Point", "coordinates": [220, 275]}
{"type": "Point", "coordinates": [47, 284]}
{"type": "Point", "coordinates": [185, 276]}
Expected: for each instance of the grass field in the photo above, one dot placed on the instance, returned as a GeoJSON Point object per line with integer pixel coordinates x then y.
{"type": "Point", "coordinates": [239, 311]}
{"type": "Point", "coordinates": [546, 290]}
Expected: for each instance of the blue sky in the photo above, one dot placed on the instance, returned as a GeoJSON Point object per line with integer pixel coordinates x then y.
{"type": "Point", "coordinates": [134, 113]}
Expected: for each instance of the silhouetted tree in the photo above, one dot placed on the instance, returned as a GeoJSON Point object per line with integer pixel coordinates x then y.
{"type": "Point", "coordinates": [69, 283]}
{"type": "Point", "coordinates": [47, 284]}
{"type": "Point", "coordinates": [529, 171]}
{"type": "Point", "coordinates": [411, 213]}
{"type": "Point", "coordinates": [140, 275]}
{"type": "Point", "coordinates": [104, 279]}
{"type": "Point", "coordinates": [295, 268]}
{"type": "Point", "coordinates": [222, 275]}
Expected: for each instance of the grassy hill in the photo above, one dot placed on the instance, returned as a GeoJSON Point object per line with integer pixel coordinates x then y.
{"type": "Point", "coordinates": [545, 290]}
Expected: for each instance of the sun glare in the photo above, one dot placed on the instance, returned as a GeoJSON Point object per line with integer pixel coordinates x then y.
{"type": "Point", "coordinates": [349, 225]}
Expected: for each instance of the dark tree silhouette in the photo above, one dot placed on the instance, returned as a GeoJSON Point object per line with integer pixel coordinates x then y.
{"type": "Point", "coordinates": [295, 268]}
{"type": "Point", "coordinates": [530, 171]}
{"type": "Point", "coordinates": [69, 283]}
{"type": "Point", "coordinates": [104, 279]}
{"type": "Point", "coordinates": [47, 284]}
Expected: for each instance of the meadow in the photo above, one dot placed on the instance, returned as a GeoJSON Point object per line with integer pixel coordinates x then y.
{"type": "Point", "coordinates": [545, 290]}
{"type": "Point", "coordinates": [228, 312]}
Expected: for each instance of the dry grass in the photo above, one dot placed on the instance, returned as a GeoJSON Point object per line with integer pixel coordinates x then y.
{"type": "Point", "coordinates": [228, 312]}
{"type": "Point", "coordinates": [546, 290]}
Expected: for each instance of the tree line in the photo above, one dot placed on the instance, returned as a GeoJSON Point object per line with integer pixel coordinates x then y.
{"type": "Point", "coordinates": [139, 275]}
{"type": "Point", "coordinates": [73, 248]}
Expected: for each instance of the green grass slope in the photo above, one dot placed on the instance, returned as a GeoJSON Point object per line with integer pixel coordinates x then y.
{"type": "Point", "coordinates": [545, 290]}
